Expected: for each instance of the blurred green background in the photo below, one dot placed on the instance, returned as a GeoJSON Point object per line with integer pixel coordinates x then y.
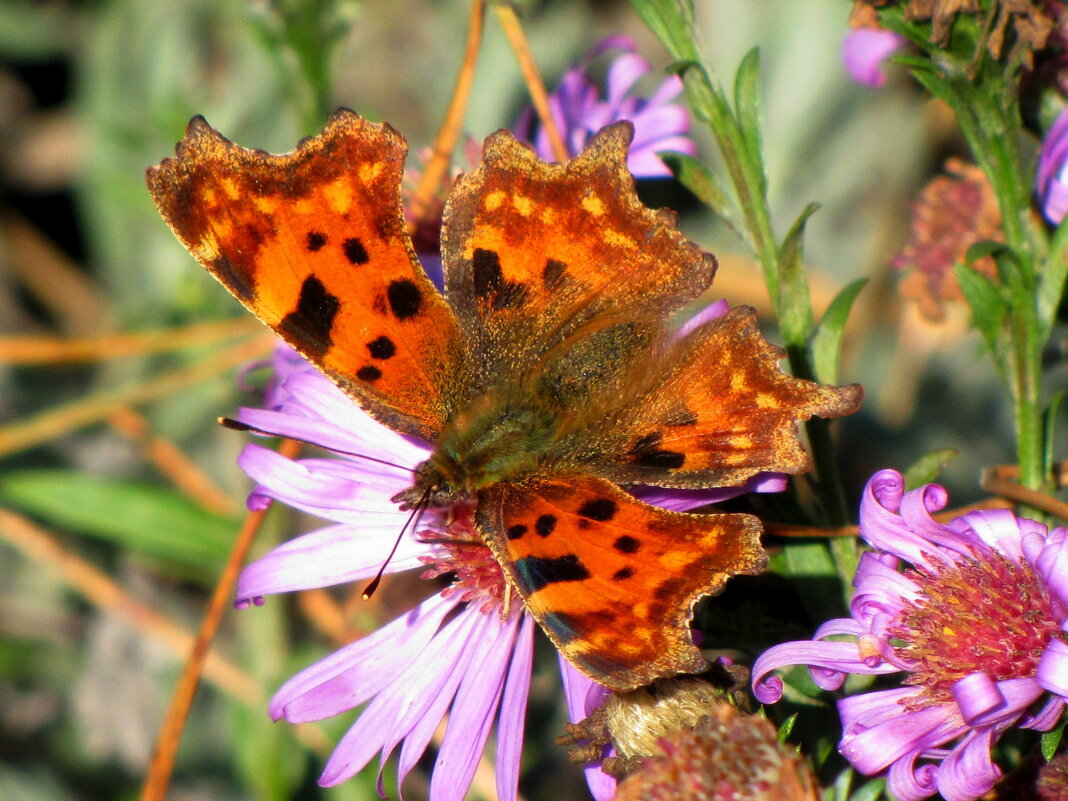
{"type": "Point", "coordinates": [91, 93]}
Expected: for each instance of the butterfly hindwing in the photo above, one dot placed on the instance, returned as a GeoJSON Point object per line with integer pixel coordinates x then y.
{"type": "Point", "coordinates": [718, 411]}
{"type": "Point", "coordinates": [613, 580]}
{"type": "Point", "coordinates": [314, 243]}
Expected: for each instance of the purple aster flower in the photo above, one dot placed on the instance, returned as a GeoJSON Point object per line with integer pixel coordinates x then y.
{"type": "Point", "coordinates": [863, 52]}
{"type": "Point", "coordinates": [465, 652]}
{"type": "Point", "coordinates": [1052, 181]}
{"type": "Point", "coordinates": [975, 621]}
{"type": "Point", "coordinates": [579, 111]}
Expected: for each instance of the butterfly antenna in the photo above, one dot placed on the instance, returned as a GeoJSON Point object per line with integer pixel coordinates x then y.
{"type": "Point", "coordinates": [420, 507]}
{"type": "Point", "coordinates": [237, 425]}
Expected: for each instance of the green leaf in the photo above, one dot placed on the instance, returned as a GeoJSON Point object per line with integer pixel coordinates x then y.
{"type": "Point", "coordinates": [988, 307]}
{"type": "Point", "coordinates": [1051, 281]}
{"type": "Point", "coordinates": [985, 248]}
{"type": "Point", "coordinates": [870, 791]}
{"type": "Point", "coordinates": [794, 306]}
{"type": "Point", "coordinates": [672, 22]}
{"type": "Point", "coordinates": [827, 339]}
{"type": "Point", "coordinates": [1050, 741]}
{"type": "Point", "coordinates": [747, 102]}
{"type": "Point", "coordinates": [926, 469]}
{"type": "Point", "coordinates": [787, 727]}
{"type": "Point", "coordinates": [154, 521]}
{"type": "Point", "coordinates": [695, 176]}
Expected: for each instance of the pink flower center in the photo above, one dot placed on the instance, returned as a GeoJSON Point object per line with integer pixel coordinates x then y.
{"type": "Point", "coordinates": [984, 614]}
{"type": "Point", "coordinates": [478, 577]}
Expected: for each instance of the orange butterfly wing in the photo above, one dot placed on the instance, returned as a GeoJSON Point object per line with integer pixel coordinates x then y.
{"type": "Point", "coordinates": [533, 252]}
{"type": "Point", "coordinates": [314, 243]}
{"type": "Point", "coordinates": [719, 412]}
{"type": "Point", "coordinates": [613, 580]}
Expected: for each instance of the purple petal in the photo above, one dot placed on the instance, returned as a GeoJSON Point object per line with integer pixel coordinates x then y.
{"type": "Point", "coordinates": [429, 721]}
{"type": "Point", "coordinates": [471, 718]}
{"type": "Point", "coordinates": [984, 702]}
{"type": "Point", "coordinates": [708, 314]}
{"type": "Point", "coordinates": [584, 695]}
{"type": "Point", "coordinates": [968, 771]}
{"type": "Point", "coordinates": [327, 557]}
{"type": "Point", "coordinates": [513, 712]}
{"type": "Point", "coordinates": [1052, 671]}
{"type": "Point", "coordinates": [898, 734]}
{"type": "Point", "coordinates": [375, 728]}
{"type": "Point", "coordinates": [682, 500]}
{"type": "Point", "coordinates": [863, 52]}
{"type": "Point", "coordinates": [910, 783]}
{"type": "Point", "coordinates": [828, 662]}
{"type": "Point", "coordinates": [1045, 718]}
{"type": "Point", "coordinates": [364, 441]}
{"type": "Point", "coordinates": [1050, 181]}
{"type": "Point", "coordinates": [626, 70]}
{"type": "Point", "coordinates": [369, 663]}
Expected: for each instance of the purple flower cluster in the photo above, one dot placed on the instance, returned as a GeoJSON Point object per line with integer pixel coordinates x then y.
{"type": "Point", "coordinates": [976, 622]}
{"type": "Point", "coordinates": [579, 111]}
{"type": "Point", "coordinates": [465, 652]}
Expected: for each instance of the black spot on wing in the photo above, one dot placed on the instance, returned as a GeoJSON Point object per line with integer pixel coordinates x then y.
{"type": "Point", "coordinates": [368, 373]}
{"type": "Point", "coordinates": [647, 453]}
{"type": "Point", "coordinates": [486, 271]}
{"type": "Point", "coordinates": [354, 251]}
{"type": "Point", "coordinates": [315, 241]}
{"type": "Point", "coordinates": [534, 573]}
{"type": "Point", "coordinates": [311, 321]}
{"type": "Point", "coordinates": [545, 525]}
{"type": "Point", "coordinates": [516, 531]}
{"type": "Point", "coordinates": [626, 544]}
{"type": "Point", "coordinates": [552, 274]}
{"type": "Point", "coordinates": [623, 573]}
{"type": "Point", "coordinates": [381, 348]}
{"type": "Point", "coordinates": [405, 299]}
{"type": "Point", "coordinates": [599, 509]}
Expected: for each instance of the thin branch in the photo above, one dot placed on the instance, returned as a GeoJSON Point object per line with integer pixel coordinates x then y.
{"type": "Point", "coordinates": [100, 406]}
{"type": "Point", "coordinates": [445, 142]}
{"type": "Point", "coordinates": [513, 29]}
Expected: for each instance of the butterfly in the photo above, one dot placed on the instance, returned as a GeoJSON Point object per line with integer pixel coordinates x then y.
{"type": "Point", "coordinates": [549, 375]}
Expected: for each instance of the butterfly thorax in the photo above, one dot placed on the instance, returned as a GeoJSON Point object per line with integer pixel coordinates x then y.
{"type": "Point", "coordinates": [488, 442]}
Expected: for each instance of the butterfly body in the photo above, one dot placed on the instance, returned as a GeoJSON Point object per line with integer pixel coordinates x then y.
{"type": "Point", "coordinates": [548, 376]}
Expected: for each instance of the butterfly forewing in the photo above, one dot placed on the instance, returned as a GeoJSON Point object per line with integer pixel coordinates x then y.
{"type": "Point", "coordinates": [612, 580]}
{"type": "Point", "coordinates": [314, 243]}
{"type": "Point", "coordinates": [535, 252]}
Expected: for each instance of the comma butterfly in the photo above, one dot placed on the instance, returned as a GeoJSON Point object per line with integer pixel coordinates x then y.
{"type": "Point", "coordinates": [546, 374]}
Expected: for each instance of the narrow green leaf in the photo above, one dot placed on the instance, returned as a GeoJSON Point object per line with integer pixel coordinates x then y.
{"type": "Point", "coordinates": [695, 176]}
{"type": "Point", "coordinates": [1052, 280]}
{"type": "Point", "coordinates": [672, 22]}
{"type": "Point", "coordinates": [748, 103]}
{"type": "Point", "coordinates": [986, 303]}
{"type": "Point", "coordinates": [926, 469]}
{"type": "Point", "coordinates": [827, 339]}
{"type": "Point", "coordinates": [787, 727]}
{"type": "Point", "coordinates": [984, 248]}
{"type": "Point", "coordinates": [154, 521]}
{"type": "Point", "coordinates": [794, 307]}
{"type": "Point", "coordinates": [1050, 741]}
